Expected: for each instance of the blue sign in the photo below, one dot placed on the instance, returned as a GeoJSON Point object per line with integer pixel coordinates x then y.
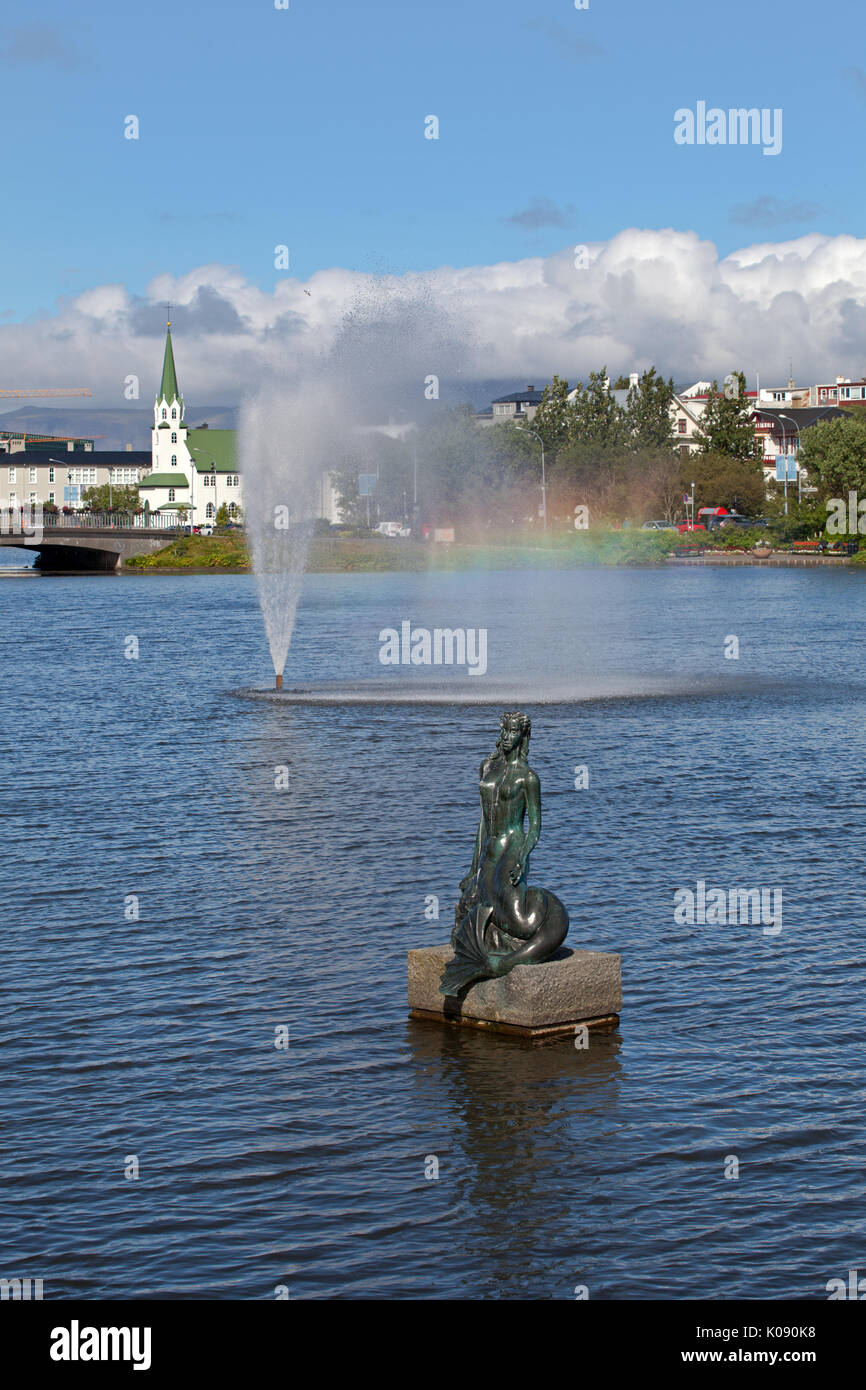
{"type": "Point", "coordinates": [786, 468]}
{"type": "Point", "coordinates": [366, 484]}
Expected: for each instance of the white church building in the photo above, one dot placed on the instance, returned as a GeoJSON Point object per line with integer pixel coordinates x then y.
{"type": "Point", "coordinates": [194, 471]}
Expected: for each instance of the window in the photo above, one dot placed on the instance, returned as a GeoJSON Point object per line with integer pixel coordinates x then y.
{"type": "Point", "coordinates": [33, 499]}
{"type": "Point", "coordinates": [174, 413]}
{"type": "Point", "coordinates": [681, 426]}
{"type": "Point", "coordinates": [82, 475]}
{"type": "Point", "coordinates": [51, 497]}
{"type": "Point", "coordinates": [164, 413]}
{"type": "Point", "coordinates": [31, 475]}
{"type": "Point", "coordinates": [237, 483]}
{"type": "Point", "coordinates": [13, 499]}
{"type": "Point", "coordinates": [233, 508]}
{"type": "Point", "coordinates": [12, 478]}
{"type": "Point", "coordinates": [51, 478]}
{"type": "Point", "coordinates": [209, 509]}
{"type": "Point", "coordinates": [174, 460]}
{"type": "Point", "coordinates": [171, 494]}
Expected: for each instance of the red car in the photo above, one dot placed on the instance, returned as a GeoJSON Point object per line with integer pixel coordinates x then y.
{"type": "Point", "coordinates": [683, 526]}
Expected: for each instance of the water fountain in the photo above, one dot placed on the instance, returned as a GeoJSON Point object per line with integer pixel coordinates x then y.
{"type": "Point", "coordinates": [320, 410]}
{"type": "Point", "coordinates": [290, 437]}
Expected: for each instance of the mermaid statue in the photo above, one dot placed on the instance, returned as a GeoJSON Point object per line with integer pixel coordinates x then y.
{"type": "Point", "coordinates": [499, 921]}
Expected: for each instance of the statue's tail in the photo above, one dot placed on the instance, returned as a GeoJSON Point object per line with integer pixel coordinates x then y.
{"type": "Point", "coordinates": [471, 956]}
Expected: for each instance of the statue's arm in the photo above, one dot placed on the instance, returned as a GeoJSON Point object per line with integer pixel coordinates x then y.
{"type": "Point", "coordinates": [533, 814]}
{"type": "Point", "coordinates": [467, 882]}
{"type": "Point", "coordinates": [479, 834]}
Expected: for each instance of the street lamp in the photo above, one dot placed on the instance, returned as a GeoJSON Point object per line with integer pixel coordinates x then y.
{"type": "Point", "coordinates": [525, 430]}
{"type": "Point", "coordinates": [795, 423]}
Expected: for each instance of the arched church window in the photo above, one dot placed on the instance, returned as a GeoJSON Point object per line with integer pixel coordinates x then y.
{"type": "Point", "coordinates": [174, 412]}
{"type": "Point", "coordinates": [171, 494]}
{"type": "Point", "coordinates": [164, 412]}
{"type": "Point", "coordinates": [209, 509]}
{"type": "Point", "coordinates": [173, 460]}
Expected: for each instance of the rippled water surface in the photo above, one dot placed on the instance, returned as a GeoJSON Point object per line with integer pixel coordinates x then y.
{"type": "Point", "coordinates": [263, 906]}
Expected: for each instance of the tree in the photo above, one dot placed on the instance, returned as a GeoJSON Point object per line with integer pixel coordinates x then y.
{"type": "Point", "coordinates": [648, 413]}
{"type": "Point", "coordinates": [596, 420]}
{"type": "Point", "coordinates": [552, 418]}
{"type": "Point", "coordinates": [100, 499]}
{"type": "Point", "coordinates": [833, 453]}
{"type": "Point", "coordinates": [723, 481]}
{"type": "Point", "coordinates": [726, 425]}
{"type": "Point", "coordinates": [222, 516]}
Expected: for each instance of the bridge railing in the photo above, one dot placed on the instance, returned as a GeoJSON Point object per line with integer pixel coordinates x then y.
{"type": "Point", "coordinates": [121, 521]}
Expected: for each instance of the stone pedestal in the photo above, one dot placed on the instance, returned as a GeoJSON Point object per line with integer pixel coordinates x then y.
{"type": "Point", "coordinates": [531, 1001]}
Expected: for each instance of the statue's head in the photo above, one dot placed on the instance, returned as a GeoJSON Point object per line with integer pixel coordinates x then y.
{"type": "Point", "coordinates": [514, 731]}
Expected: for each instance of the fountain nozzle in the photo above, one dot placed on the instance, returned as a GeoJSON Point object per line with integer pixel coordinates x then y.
{"type": "Point", "coordinates": [279, 683]}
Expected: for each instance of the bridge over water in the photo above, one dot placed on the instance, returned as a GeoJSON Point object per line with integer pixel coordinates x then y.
{"type": "Point", "coordinates": [86, 540]}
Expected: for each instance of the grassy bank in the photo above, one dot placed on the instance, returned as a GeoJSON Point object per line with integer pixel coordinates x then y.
{"type": "Point", "coordinates": [345, 555]}
{"type": "Point", "coordinates": [197, 553]}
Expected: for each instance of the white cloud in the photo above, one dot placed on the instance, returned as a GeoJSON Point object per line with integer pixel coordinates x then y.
{"type": "Point", "coordinates": [646, 297]}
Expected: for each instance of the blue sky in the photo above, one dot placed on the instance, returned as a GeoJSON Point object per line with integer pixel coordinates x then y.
{"type": "Point", "coordinates": [305, 127]}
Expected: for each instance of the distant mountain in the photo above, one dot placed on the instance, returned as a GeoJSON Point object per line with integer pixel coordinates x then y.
{"type": "Point", "coordinates": [114, 429]}
{"type": "Point", "coordinates": [126, 425]}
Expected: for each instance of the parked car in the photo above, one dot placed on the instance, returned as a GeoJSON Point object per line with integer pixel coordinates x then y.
{"type": "Point", "coordinates": [683, 526]}
{"type": "Point", "coordinates": [205, 530]}
{"type": "Point", "coordinates": [658, 526]}
{"type": "Point", "coordinates": [393, 529]}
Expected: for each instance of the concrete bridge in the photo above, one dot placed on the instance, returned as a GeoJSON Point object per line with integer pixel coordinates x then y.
{"type": "Point", "coordinates": [86, 540]}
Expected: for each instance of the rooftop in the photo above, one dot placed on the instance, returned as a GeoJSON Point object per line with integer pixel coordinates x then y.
{"type": "Point", "coordinates": [528, 396]}
{"type": "Point", "coordinates": [165, 480]}
{"type": "Point", "coordinates": [213, 451]}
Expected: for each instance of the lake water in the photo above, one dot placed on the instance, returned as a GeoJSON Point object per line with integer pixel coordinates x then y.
{"type": "Point", "coordinates": [262, 907]}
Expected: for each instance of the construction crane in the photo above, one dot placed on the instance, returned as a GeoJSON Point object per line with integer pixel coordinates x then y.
{"type": "Point", "coordinates": [13, 393]}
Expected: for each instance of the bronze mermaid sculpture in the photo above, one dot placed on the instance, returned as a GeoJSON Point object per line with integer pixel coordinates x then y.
{"type": "Point", "coordinates": [499, 921]}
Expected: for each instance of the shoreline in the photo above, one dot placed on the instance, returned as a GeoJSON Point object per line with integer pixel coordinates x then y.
{"type": "Point", "coordinates": [781, 561]}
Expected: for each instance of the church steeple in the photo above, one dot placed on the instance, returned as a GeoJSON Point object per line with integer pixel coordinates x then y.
{"type": "Point", "coordinates": [168, 390]}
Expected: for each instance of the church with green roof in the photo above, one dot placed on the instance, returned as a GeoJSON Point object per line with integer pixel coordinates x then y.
{"type": "Point", "coordinates": [194, 471]}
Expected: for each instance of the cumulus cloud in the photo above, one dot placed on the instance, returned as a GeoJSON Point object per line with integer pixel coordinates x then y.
{"type": "Point", "coordinates": [645, 297]}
